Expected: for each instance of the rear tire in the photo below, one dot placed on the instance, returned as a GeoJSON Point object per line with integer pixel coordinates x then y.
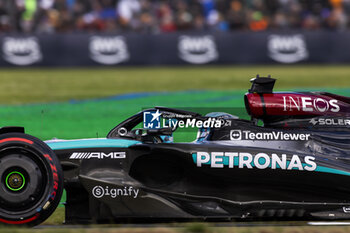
{"type": "Point", "coordinates": [31, 180]}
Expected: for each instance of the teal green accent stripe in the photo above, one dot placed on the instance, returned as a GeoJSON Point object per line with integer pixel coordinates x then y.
{"type": "Point", "coordinates": [331, 170]}
{"type": "Point", "coordinates": [225, 161]}
{"type": "Point", "coordinates": [91, 143]}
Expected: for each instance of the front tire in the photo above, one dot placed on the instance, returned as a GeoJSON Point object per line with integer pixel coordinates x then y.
{"type": "Point", "coordinates": [31, 180]}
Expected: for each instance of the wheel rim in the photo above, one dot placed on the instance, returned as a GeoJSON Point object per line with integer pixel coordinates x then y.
{"type": "Point", "coordinates": [23, 187]}
{"type": "Point", "coordinates": [15, 181]}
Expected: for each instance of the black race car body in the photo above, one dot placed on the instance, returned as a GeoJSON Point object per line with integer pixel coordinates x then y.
{"type": "Point", "coordinates": [294, 166]}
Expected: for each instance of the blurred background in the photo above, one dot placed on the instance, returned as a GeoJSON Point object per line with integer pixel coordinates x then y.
{"type": "Point", "coordinates": [164, 16]}
{"type": "Point", "coordinates": [76, 68]}
{"type": "Point", "coordinates": [178, 32]}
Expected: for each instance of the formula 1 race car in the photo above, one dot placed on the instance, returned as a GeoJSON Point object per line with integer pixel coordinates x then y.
{"type": "Point", "coordinates": [290, 161]}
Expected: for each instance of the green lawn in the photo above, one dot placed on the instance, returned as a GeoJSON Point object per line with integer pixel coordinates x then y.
{"type": "Point", "coordinates": [42, 100]}
{"type": "Point", "coordinates": [52, 85]}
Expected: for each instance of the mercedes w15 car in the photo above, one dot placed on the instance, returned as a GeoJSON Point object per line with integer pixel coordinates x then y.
{"type": "Point", "coordinates": [291, 160]}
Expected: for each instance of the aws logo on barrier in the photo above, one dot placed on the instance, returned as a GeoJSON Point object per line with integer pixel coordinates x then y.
{"type": "Point", "coordinates": [197, 49]}
{"type": "Point", "coordinates": [21, 51]}
{"type": "Point", "coordinates": [287, 48]}
{"type": "Point", "coordinates": [108, 50]}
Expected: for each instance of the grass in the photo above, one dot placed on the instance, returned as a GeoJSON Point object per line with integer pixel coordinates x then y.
{"type": "Point", "coordinates": [95, 118]}
{"type": "Point", "coordinates": [56, 218]}
{"type": "Point", "coordinates": [74, 119]}
{"type": "Point", "coordinates": [54, 85]}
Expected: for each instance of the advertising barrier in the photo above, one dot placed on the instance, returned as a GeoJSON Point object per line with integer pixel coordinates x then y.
{"type": "Point", "coordinates": [175, 49]}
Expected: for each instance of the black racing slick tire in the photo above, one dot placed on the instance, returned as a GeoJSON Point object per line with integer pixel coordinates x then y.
{"type": "Point", "coordinates": [31, 180]}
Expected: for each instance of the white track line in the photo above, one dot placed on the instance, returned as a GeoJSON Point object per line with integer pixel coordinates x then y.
{"type": "Point", "coordinates": [329, 223]}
